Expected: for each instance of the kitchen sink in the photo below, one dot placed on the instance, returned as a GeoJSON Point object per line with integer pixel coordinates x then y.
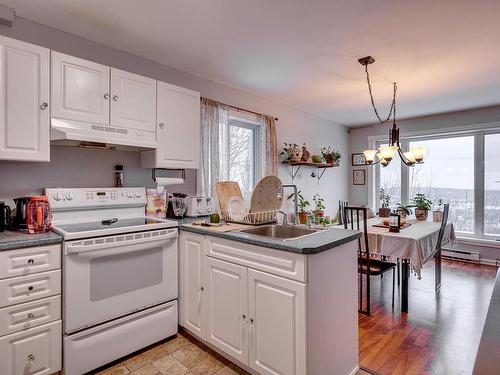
{"type": "Point", "coordinates": [283, 232]}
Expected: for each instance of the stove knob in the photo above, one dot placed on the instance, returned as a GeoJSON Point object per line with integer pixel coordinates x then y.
{"type": "Point", "coordinates": [129, 194]}
{"type": "Point", "coordinates": [69, 196]}
{"type": "Point", "coordinates": [138, 194]}
{"type": "Point", "coordinates": [58, 196]}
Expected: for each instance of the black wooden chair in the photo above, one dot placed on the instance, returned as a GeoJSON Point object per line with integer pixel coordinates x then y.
{"type": "Point", "coordinates": [439, 248]}
{"type": "Point", "coordinates": [367, 266]}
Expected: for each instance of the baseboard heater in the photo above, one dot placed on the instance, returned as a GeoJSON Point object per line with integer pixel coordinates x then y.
{"type": "Point", "coordinates": [471, 256]}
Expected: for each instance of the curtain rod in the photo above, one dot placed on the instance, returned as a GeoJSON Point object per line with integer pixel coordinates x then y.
{"type": "Point", "coordinates": [241, 109]}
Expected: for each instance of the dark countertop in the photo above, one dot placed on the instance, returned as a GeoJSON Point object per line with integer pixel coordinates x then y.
{"type": "Point", "coordinates": [15, 240]}
{"type": "Point", "coordinates": [488, 354]}
{"type": "Point", "coordinates": [311, 244]}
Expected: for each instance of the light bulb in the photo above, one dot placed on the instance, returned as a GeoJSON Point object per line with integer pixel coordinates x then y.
{"type": "Point", "coordinates": [388, 152]}
{"type": "Point", "coordinates": [410, 157]}
{"type": "Point", "coordinates": [418, 153]}
{"type": "Point", "coordinates": [370, 155]}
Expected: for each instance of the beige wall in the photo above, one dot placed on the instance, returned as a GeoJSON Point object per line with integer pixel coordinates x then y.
{"type": "Point", "coordinates": [294, 126]}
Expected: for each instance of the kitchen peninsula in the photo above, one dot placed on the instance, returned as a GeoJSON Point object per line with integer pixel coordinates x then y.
{"type": "Point", "coordinates": [272, 305]}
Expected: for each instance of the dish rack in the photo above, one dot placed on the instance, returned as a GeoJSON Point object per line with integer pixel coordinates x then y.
{"type": "Point", "coordinates": [247, 217]}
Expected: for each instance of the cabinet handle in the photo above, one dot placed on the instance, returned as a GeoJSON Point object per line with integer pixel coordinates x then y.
{"type": "Point", "coordinates": [243, 316]}
{"type": "Point", "coordinates": [31, 358]}
{"type": "Point", "coordinates": [31, 261]}
{"type": "Point", "coordinates": [30, 287]}
{"type": "Point", "coordinates": [251, 320]}
{"type": "Point", "coordinates": [106, 96]}
{"type": "Point", "coordinates": [161, 125]}
{"type": "Point", "coordinates": [44, 106]}
{"type": "Point", "coordinates": [202, 288]}
{"type": "Point", "coordinates": [31, 316]}
{"type": "Point", "coordinates": [115, 98]}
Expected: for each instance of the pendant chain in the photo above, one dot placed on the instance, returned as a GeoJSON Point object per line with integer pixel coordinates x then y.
{"type": "Point", "coordinates": [393, 104]}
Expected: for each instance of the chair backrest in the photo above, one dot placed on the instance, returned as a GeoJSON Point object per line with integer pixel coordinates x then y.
{"type": "Point", "coordinates": [342, 206]}
{"type": "Point", "coordinates": [355, 218]}
{"type": "Point", "coordinates": [442, 229]}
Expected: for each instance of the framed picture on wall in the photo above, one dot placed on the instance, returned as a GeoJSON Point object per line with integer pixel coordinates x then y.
{"type": "Point", "coordinates": [358, 177]}
{"type": "Point", "coordinates": [358, 159]}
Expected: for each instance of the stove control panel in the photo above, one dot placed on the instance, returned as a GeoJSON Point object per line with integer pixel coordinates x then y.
{"type": "Point", "coordinates": [91, 197]}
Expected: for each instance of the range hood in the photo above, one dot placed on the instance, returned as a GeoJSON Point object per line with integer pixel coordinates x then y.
{"type": "Point", "coordinates": [76, 133]}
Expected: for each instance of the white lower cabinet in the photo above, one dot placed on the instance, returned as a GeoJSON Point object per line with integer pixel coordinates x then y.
{"type": "Point", "coordinates": [277, 321]}
{"type": "Point", "coordinates": [227, 307]}
{"type": "Point", "coordinates": [36, 351]}
{"type": "Point", "coordinates": [256, 318]}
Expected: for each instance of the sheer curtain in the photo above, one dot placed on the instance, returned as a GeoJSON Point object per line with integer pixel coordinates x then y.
{"type": "Point", "coordinates": [214, 141]}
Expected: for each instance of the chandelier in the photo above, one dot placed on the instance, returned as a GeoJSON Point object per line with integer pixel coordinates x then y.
{"type": "Point", "coordinates": [385, 154]}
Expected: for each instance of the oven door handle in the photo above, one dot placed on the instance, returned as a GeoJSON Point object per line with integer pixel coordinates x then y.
{"type": "Point", "coordinates": [123, 246]}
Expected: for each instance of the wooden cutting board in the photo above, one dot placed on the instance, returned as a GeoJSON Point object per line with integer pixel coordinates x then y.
{"type": "Point", "coordinates": [226, 190]}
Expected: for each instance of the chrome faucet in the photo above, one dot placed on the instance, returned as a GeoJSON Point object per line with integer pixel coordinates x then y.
{"type": "Point", "coordinates": [296, 202]}
{"type": "Point", "coordinates": [285, 218]}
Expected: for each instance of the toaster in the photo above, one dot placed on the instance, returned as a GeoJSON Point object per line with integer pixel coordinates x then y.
{"type": "Point", "coordinates": [198, 206]}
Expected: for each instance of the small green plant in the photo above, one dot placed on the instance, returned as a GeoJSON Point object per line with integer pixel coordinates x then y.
{"type": "Point", "coordinates": [385, 198]}
{"type": "Point", "coordinates": [421, 202]}
{"type": "Point", "coordinates": [302, 203]}
{"type": "Point", "coordinates": [404, 209]}
{"type": "Point", "coordinates": [331, 155]}
{"type": "Point", "coordinates": [319, 203]}
{"type": "Point", "coordinates": [440, 204]}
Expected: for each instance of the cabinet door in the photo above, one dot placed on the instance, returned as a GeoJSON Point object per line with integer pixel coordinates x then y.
{"type": "Point", "coordinates": [35, 351]}
{"type": "Point", "coordinates": [277, 321]}
{"type": "Point", "coordinates": [192, 284]}
{"type": "Point", "coordinates": [24, 100]}
{"type": "Point", "coordinates": [178, 127]}
{"type": "Point", "coordinates": [80, 89]}
{"type": "Point", "coordinates": [227, 308]}
{"type": "Point", "coordinates": [133, 101]}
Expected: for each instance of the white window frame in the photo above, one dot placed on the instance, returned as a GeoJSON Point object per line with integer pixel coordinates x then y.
{"type": "Point", "coordinates": [478, 131]}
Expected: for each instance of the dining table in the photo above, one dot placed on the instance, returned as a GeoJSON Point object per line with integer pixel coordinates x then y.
{"type": "Point", "coordinates": [414, 245]}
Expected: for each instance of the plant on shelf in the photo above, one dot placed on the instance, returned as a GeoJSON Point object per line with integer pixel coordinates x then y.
{"type": "Point", "coordinates": [302, 205]}
{"type": "Point", "coordinates": [291, 153]}
{"type": "Point", "coordinates": [331, 155]}
{"type": "Point", "coordinates": [385, 201]}
{"type": "Point", "coordinates": [437, 214]}
{"type": "Point", "coordinates": [422, 206]}
{"type": "Point", "coordinates": [319, 206]}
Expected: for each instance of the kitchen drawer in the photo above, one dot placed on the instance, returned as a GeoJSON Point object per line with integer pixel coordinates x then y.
{"type": "Point", "coordinates": [29, 261]}
{"type": "Point", "coordinates": [28, 288]}
{"type": "Point", "coordinates": [281, 263]}
{"type": "Point", "coordinates": [30, 314]}
{"type": "Point", "coordinates": [36, 351]}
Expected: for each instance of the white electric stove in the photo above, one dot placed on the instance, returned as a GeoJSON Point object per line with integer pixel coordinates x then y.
{"type": "Point", "coordinates": [119, 274]}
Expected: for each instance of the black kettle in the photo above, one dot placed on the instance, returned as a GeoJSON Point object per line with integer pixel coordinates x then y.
{"type": "Point", "coordinates": [4, 216]}
{"type": "Point", "coordinates": [20, 221]}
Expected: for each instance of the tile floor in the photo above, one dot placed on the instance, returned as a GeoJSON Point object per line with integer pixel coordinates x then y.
{"type": "Point", "coordinates": [178, 356]}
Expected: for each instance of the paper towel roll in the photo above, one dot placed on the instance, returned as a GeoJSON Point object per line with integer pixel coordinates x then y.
{"type": "Point", "coordinates": [166, 181]}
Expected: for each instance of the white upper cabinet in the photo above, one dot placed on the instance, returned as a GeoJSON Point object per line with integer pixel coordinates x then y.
{"type": "Point", "coordinates": [80, 89]}
{"type": "Point", "coordinates": [133, 103]}
{"type": "Point", "coordinates": [24, 101]}
{"type": "Point", "coordinates": [178, 129]}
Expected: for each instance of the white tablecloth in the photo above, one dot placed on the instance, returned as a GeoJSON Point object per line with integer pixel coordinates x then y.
{"type": "Point", "coordinates": [416, 242]}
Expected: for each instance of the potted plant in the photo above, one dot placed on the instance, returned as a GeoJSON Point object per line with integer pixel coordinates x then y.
{"type": "Point", "coordinates": [331, 155]}
{"type": "Point", "coordinates": [403, 210]}
{"type": "Point", "coordinates": [302, 204]}
{"type": "Point", "coordinates": [437, 214]}
{"type": "Point", "coordinates": [319, 206]}
{"type": "Point", "coordinates": [385, 200]}
{"type": "Point", "coordinates": [422, 206]}
{"type": "Point", "coordinates": [292, 153]}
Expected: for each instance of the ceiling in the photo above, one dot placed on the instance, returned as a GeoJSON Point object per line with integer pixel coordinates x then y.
{"type": "Point", "coordinates": [443, 54]}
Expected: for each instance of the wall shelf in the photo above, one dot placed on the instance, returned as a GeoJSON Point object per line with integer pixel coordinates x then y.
{"type": "Point", "coordinates": [320, 168]}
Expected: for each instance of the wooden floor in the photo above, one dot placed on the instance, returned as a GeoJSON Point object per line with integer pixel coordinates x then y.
{"type": "Point", "coordinates": [440, 334]}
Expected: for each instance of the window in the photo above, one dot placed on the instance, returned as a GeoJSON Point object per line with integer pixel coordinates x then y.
{"type": "Point", "coordinates": [448, 178]}
{"type": "Point", "coordinates": [241, 152]}
{"type": "Point", "coordinates": [492, 184]}
{"type": "Point", "coordinates": [453, 171]}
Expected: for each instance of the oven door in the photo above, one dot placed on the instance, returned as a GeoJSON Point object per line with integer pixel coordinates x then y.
{"type": "Point", "coordinates": [108, 277]}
